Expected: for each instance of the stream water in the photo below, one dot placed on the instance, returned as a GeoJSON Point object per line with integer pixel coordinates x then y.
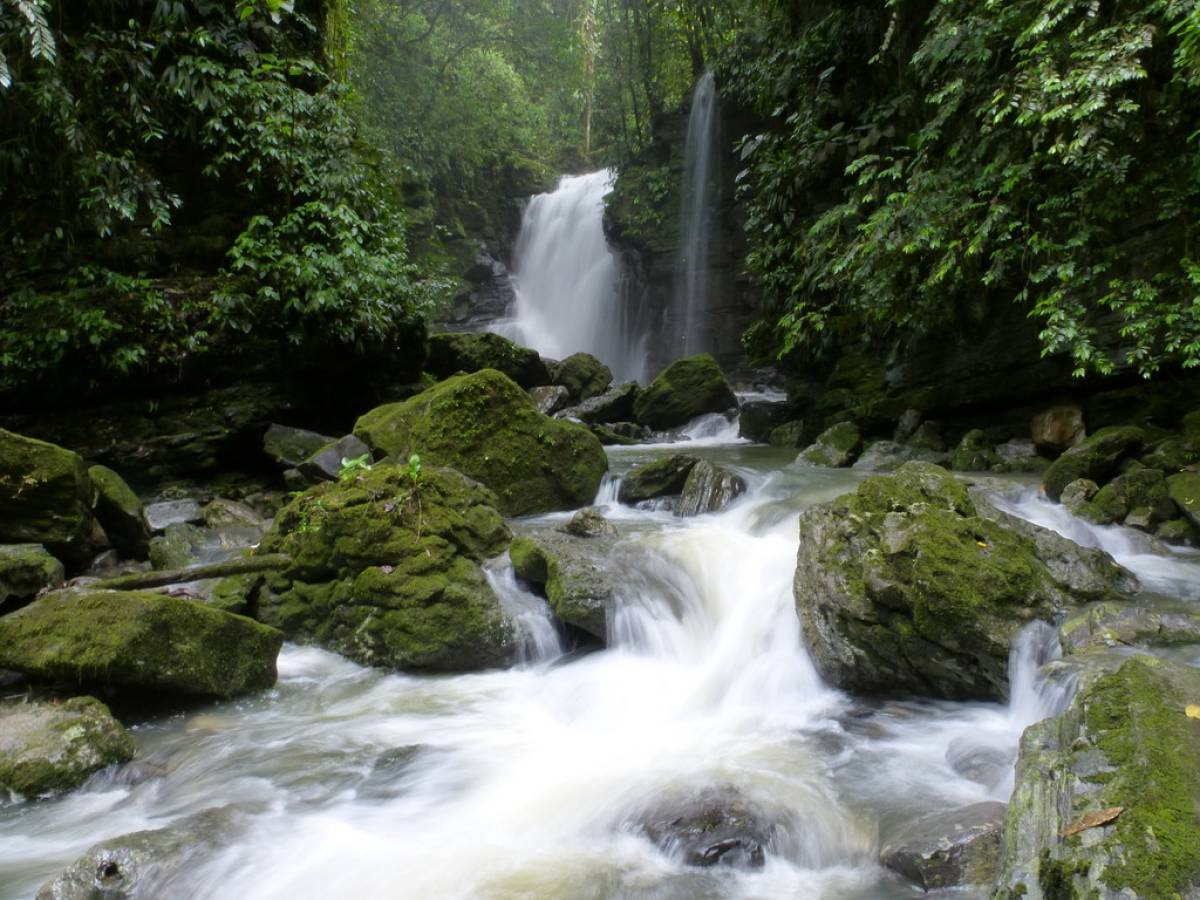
{"type": "Point", "coordinates": [350, 782]}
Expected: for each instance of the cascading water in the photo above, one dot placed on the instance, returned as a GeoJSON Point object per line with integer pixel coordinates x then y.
{"type": "Point", "coordinates": [565, 280]}
{"type": "Point", "coordinates": [532, 781]}
{"type": "Point", "coordinates": [700, 197]}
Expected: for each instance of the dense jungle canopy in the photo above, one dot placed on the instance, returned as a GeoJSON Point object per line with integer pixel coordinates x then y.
{"type": "Point", "coordinates": [179, 177]}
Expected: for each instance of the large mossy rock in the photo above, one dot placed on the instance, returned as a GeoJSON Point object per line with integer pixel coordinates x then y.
{"type": "Point", "coordinates": [578, 575]}
{"type": "Point", "coordinates": [386, 571]}
{"type": "Point", "coordinates": [1095, 459]}
{"type": "Point", "coordinates": [660, 478]}
{"type": "Point", "coordinates": [120, 512]}
{"type": "Point", "coordinates": [582, 375]}
{"type": "Point", "coordinates": [486, 427]}
{"type": "Point", "coordinates": [450, 354]}
{"type": "Point", "coordinates": [614, 405]}
{"type": "Point", "coordinates": [904, 587]}
{"type": "Point", "coordinates": [45, 497]}
{"type": "Point", "coordinates": [1107, 795]}
{"type": "Point", "coordinates": [138, 642]}
{"type": "Point", "coordinates": [25, 570]}
{"type": "Point", "coordinates": [685, 389]}
{"type": "Point", "coordinates": [1184, 491]}
{"type": "Point", "coordinates": [50, 747]}
{"type": "Point", "coordinates": [835, 447]}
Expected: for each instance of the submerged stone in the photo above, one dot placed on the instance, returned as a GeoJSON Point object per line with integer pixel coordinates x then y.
{"type": "Point", "coordinates": [486, 427]}
{"type": "Point", "coordinates": [51, 747]}
{"type": "Point", "coordinates": [685, 389]}
{"type": "Point", "coordinates": [717, 826]}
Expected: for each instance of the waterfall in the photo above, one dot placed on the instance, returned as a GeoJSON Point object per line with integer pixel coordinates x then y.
{"type": "Point", "coordinates": [700, 197]}
{"type": "Point", "coordinates": [565, 279]}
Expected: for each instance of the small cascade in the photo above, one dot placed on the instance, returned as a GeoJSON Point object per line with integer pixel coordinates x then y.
{"type": "Point", "coordinates": [607, 495]}
{"type": "Point", "coordinates": [565, 280]}
{"type": "Point", "coordinates": [538, 639]}
{"type": "Point", "coordinates": [698, 216]}
{"type": "Point", "coordinates": [1032, 697]}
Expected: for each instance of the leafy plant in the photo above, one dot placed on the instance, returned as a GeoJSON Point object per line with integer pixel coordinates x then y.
{"type": "Point", "coordinates": [351, 468]}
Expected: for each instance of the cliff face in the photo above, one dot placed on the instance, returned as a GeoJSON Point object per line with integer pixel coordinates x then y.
{"type": "Point", "coordinates": [644, 223]}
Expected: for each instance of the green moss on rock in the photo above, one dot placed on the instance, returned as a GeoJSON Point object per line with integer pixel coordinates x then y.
{"type": "Point", "coordinates": [45, 497]}
{"type": "Point", "coordinates": [450, 354]}
{"type": "Point", "coordinates": [1095, 459]}
{"type": "Point", "coordinates": [387, 571]}
{"type": "Point", "coordinates": [577, 574]}
{"type": "Point", "coordinates": [974, 453]}
{"type": "Point", "coordinates": [139, 642]}
{"type": "Point", "coordinates": [685, 389]}
{"type": "Point", "coordinates": [26, 569]}
{"type": "Point", "coordinates": [904, 587]}
{"type": "Point", "coordinates": [120, 512]}
{"type": "Point", "coordinates": [51, 747]}
{"type": "Point", "coordinates": [659, 478]}
{"type": "Point", "coordinates": [486, 427]}
{"type": "Point", "coordinates": [582, 375]}
{"type": "Point", "coordinates": [835, 447]}
{"type": "Point", "coordinates": [1184, 489]}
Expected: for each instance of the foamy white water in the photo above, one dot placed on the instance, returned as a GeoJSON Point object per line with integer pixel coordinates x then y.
{"type": "Point", "coordinates": [565, 280]}
{"type": "Point", "coordinates": [530, 782]}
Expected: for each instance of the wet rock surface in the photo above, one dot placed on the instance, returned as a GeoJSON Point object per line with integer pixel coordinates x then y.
{"type": "Point", "coordinates": [579, 576]}
{"type": "Point", "coordinates": [708, 488]}
{"type": "Point", "coordinates": [685, 389]}
{"type": "Point", "coordinates": [715, 827]}
{"type": "Point", "coordinates": [835, 447]}
{"type": "Point", "coordinates": [905, 586]}
{"type": "Point", "coordinates": [25, 570]}
{"type": "Point", "coordinates": [946, 850]}
{"type": "Point", "coordinates": [656, 479]}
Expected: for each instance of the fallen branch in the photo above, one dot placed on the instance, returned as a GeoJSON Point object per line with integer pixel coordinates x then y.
{"type": "Point", "coordinates": [241, 566]}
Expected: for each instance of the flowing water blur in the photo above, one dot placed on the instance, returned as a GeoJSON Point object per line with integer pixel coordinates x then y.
{"type": "Point", "coordinates": [529, 782]}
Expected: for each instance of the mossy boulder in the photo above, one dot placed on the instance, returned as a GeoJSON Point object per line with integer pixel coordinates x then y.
{"type": "Point", "coordinates": [486, 427]}
{"type": "Point", "coordinates": [1126, 625]}
{"type": "Point", "coordinates": [1184, 489]}
{"type": "Point", "coordinates": [758, 418]}
{"type": "Point", "coordinates": [1095, 459]}
{"type": "Point", "coordinates": [120, 512]}
{"type": "Point", "coordinates": [905, 587]}
{"type": "Point", "coordinates": [1107, 795]}
{"type": "Point", "coordinates": [468, 352]}
{"type": "Point", "coordinates": [685, 389]}
{"type": "Point", "coordinates": [974, 453]}
{"type": "Point", "coordinates": [25, 570]}
{"type": "Point", "coordinates": [1138, 489]}
{"type": "Point", "coordinates": [789, 434]}
{"type": "Point", "coordinates": [387, 571]}
{"type": "Point", "coordinates": [578, 575]}
{"type": "Point", "coordinates": [50, 747]}
{"type": "Point", "coordinates": [660, 478]}
{"type": "Point", "coordinates": [582, 375]}
{"type": "Point", "coordinates": [835, 447]}
{"type": "Point", "coordinates": [45, 498]}
{"type": "Point", "coordinates": [138, 642]}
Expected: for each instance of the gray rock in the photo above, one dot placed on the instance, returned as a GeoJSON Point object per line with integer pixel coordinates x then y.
{"type": "Point", "coordinates": [1078, 494]}
{"type": "Point", "coordinates": [579, 576]}
{"type": "Point", "coordinates": [1123, 625]}
{"type": "Point", "coordinates": [145, 864]}
{"type": "Point", "coordinates": [51, 747]}
{"type": "Point", "coordinates": [291, 446]}
{"type": "Point", "coordinates": [26, 569]}
{"type": "Point", "coordinates": [1058, 428]}
{"type": "Point", "coordinates": [1096, 458]}
{"type": "Point", "coordinates": [835, 447]}
{"type": "Point", "coordinates": [907, 426]}
{"type": "Point", "coordinates": [326, 463]}
{"type": "Point", "coordinates": [758, 418]}
{"type": "Point", "coordinates": [614, 405]}
{"type": "Point", "coordinates": [1017, 448]}
{"type": "Point", "coordinates": [223, 513]}
{"type": "Point", "coordinates": [946, 850]}
{"type": "Point", "coordinates": [887, 456]}
{"type": "Point", "coordinates": [549, 399]}
{"type": "Point", "coordinates": [589, 522]}
{"type": "Point", "coordinates": [708, 488]}
{"type": "Point", "coordinates": [928, 436]}
{"type": "Point", "coordinates": [120, 512]}
{"type": "Point", "coordinates": [172, 512]}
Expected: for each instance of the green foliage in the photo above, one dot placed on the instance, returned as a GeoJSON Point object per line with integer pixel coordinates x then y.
{"type": "Point", "coordinates": [145, 148]}
{"type": "Point", "coordinates": [1036, 150]}
{"type": "Point", "coordinates": [414, 470]}
{"type": "Point", "coordinates": [353, 467]}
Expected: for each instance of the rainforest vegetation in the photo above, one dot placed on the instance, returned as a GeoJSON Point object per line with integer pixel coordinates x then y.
{"type": "Point", "coordinates": [181, 176]}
